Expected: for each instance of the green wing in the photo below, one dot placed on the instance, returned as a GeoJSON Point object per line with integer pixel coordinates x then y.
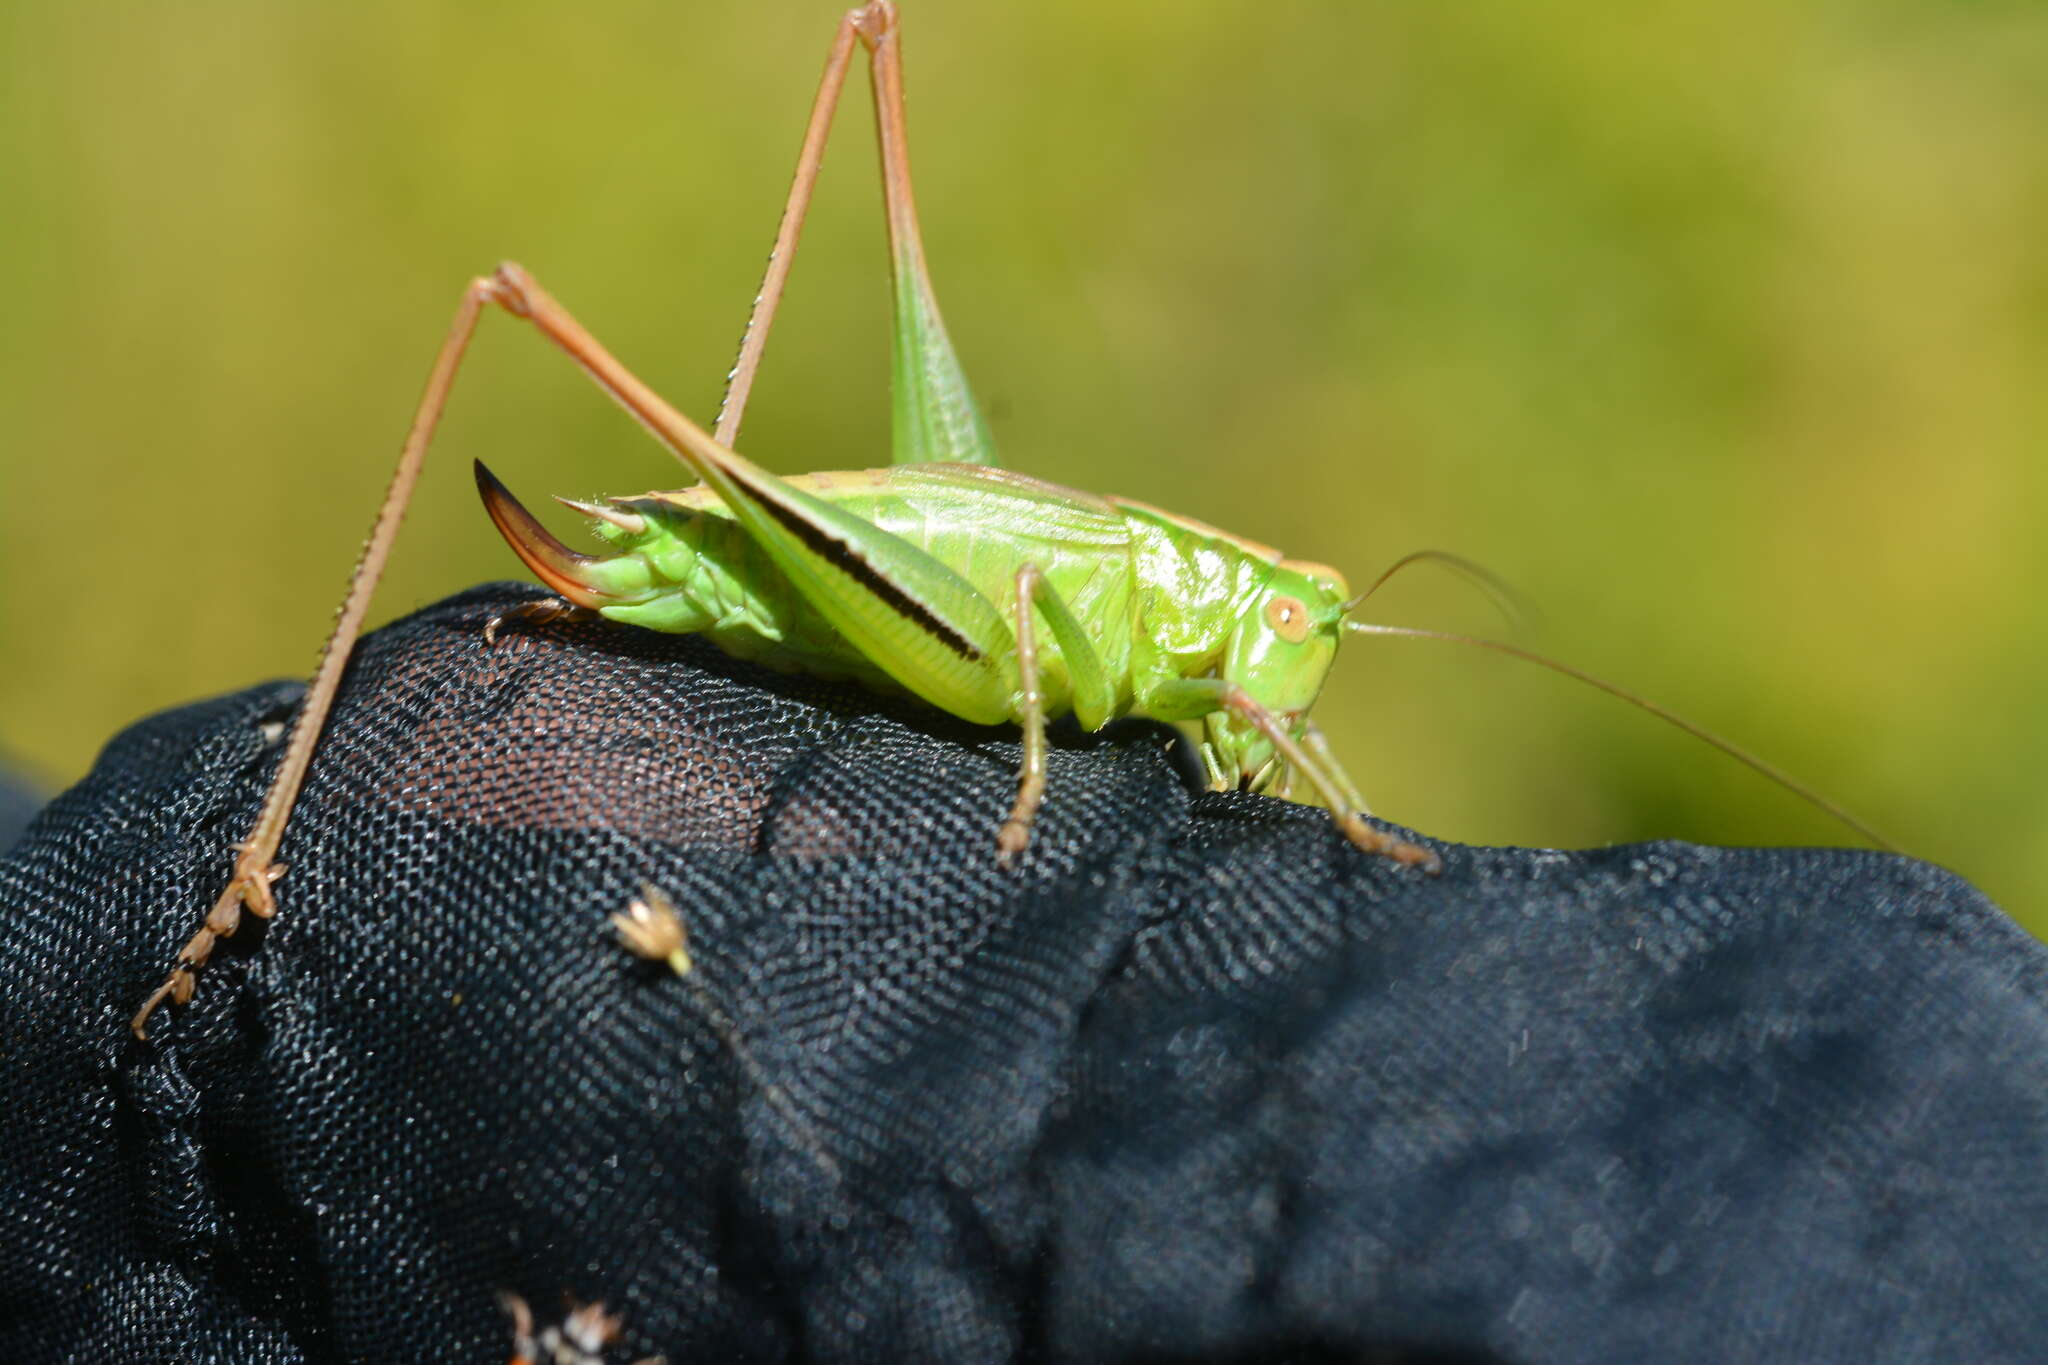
{"type": "Point", "coordinates": [904, 611]}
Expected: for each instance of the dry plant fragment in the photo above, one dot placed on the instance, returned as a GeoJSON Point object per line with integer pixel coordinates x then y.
{"type": "Point", "coordinates": [652, 928]}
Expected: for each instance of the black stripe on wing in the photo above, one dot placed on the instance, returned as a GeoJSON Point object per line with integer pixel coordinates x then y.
{"type": "Point", "coordinates": [855, 565]}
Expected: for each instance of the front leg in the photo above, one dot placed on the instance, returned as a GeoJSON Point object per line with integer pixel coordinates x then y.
{"type": "Point", "coordinates": [1192, 698]}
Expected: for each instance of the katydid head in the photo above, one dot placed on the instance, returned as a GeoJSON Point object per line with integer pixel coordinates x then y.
{"type": "Point", "coordinates": [1278, 655]}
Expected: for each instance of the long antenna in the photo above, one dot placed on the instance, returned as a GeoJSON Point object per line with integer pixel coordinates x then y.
{"type": "Point", "coordinates": [1511, 604]}
{"type": "Point", "coordinates": [1733, 750]}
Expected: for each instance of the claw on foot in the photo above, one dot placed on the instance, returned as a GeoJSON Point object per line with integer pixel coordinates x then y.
{"type": "Point", "coordinates": [1015, 835]}
{"type": "Point", "coordinates": [1012, 839]}
{"type": "Point", "coordinates": [247, 891]}
{"type": "Point", "coordinates": [538, 613]}
{"type": "Point", "coordinates": [177, 988]}
{"type": "Point", "coordinates": [1370, 840]}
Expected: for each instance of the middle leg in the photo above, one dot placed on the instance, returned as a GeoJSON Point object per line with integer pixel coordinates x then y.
{"type": "Point", "coordinates": [1015, 834]}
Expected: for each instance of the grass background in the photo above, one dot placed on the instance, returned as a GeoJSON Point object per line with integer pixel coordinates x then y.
{"type": "Point", "coordinates": [1720, 328]}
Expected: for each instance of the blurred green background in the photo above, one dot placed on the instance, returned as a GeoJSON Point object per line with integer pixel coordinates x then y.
{"type": "Point", "coordinates": [1721, 329]}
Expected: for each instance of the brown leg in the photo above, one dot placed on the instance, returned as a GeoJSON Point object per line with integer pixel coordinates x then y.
{"type": "Point", "coordinates": [754, 340]}
{"type": "Point", "coordinates": [1015, 834]}
{"type": "Point", "coordinates": [256, 865]}
{"type": "Point", "coordinates": [875, 26]}
{"type": "Point", "coordinates": [512, 289]}
{"type": "Point", "coordinates": [1330, 784]}
{"type": "Point", "coordinates": [1312, 737]}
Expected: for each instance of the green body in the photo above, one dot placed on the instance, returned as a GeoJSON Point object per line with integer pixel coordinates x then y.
{"type": "Point", "coordinates": [992, 596]}
{"type": "Point", "coordinates": [1159, 599]}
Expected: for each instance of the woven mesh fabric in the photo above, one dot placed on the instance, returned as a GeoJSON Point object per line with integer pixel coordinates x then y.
{"type": "Point", "coordinates": [1194, 1081]}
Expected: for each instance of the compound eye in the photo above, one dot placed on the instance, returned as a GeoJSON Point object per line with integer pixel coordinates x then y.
{"type": "Point", "coordinates": [1288, 618]}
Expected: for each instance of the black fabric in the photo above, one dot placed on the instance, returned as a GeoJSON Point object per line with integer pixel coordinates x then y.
{"type": "Point", "coordinates": [1195, 1081]}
